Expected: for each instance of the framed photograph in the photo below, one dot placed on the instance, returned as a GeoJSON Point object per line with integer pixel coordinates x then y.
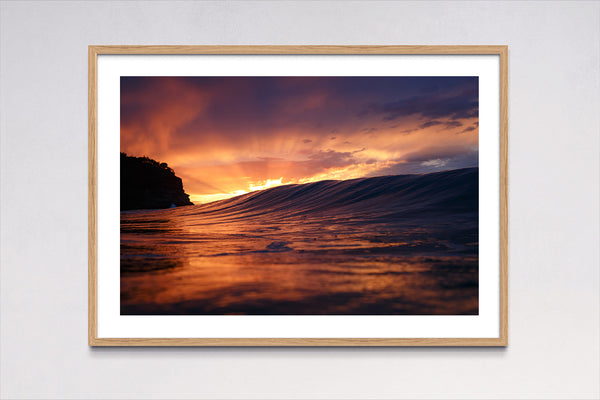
{"type": "Point", "coordinates": [298, 195]}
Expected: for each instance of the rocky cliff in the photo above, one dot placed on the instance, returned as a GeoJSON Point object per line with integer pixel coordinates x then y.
{"type": "Point", "coordinates": [148, 184]}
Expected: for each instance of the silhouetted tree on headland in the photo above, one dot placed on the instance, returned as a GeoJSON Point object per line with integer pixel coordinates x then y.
{"type": "Point", "coordinates": [148, 184]}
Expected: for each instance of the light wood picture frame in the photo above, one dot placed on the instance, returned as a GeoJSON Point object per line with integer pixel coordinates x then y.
{"type": "Point", "coordinates": [103, 311]}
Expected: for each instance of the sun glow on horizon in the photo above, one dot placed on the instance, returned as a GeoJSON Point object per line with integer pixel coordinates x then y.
{"type": "Point", "coordinates": [268, 184]}
{"type": "Point", "coordinates": [209, 198]}
{"type": "Point", "coordinates": [252, 187]}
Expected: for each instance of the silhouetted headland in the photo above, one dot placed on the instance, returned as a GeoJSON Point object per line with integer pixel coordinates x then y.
{"type": "Point", "coordinates": [148, 184]}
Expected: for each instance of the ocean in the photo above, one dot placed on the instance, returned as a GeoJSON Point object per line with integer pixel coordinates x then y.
{"type": "Point", "coordinates": [390, 245]}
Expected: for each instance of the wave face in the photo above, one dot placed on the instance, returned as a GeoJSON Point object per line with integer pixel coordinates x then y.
{"type": "Point", "coordinates": [403, 244]}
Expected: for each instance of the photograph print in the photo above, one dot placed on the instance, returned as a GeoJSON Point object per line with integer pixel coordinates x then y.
{"type": "Point", "coordinates": [291, 195]}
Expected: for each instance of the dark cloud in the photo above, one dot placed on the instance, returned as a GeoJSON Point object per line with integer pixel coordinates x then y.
{"type": "Point", "coordinates": [468, 129]}
{"type": "Point", "coordinates": [453, 124]}
{"type": "Point", "coordinates": [307, 141]}
{"type": "Point", "coordinates": [432, 160]}
{"type": "Point", "coordinates": [436, 152]}
{"type": "Point", "coordinates": [330, 158]}
{"type": "Point", "coordinates": [446, 125]}
{"type": "Point", "coordinates": [430, 123]}
{"type": "Point", "coordinates": [457, 105]}
{"type": "Point", "coordinates": [370, 130]}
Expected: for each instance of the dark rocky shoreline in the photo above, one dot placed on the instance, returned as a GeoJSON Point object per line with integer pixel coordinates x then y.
{"type": "Point", "coordinates": [148, 184]}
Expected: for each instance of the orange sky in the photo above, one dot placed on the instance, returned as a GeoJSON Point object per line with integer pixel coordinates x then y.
{"type": "Point", "coordinates": [226, 136]}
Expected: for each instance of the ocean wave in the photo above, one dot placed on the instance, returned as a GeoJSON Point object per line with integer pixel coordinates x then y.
{"type": "Point", "coordinates": [403, 244]}
{"type": "Point", "coordinates": [385, 196]}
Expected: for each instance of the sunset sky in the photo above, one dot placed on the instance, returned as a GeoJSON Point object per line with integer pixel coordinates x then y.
{"type": "Point", "coordinates": [226, 136]}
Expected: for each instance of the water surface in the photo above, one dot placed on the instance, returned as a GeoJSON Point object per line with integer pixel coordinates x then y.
{"type": "Point", "coordinates": [395, 245]}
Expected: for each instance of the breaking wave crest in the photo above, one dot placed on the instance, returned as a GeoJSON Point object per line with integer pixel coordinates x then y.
{"type": "Point", "coordinates": [377, 197]}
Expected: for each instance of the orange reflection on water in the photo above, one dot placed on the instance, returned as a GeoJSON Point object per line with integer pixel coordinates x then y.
{"type": "Point", "coordinates": [181, 262]}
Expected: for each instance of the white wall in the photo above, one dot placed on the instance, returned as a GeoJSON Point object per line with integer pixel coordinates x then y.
{"type": "Point", "coordinates": [554, 204]}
